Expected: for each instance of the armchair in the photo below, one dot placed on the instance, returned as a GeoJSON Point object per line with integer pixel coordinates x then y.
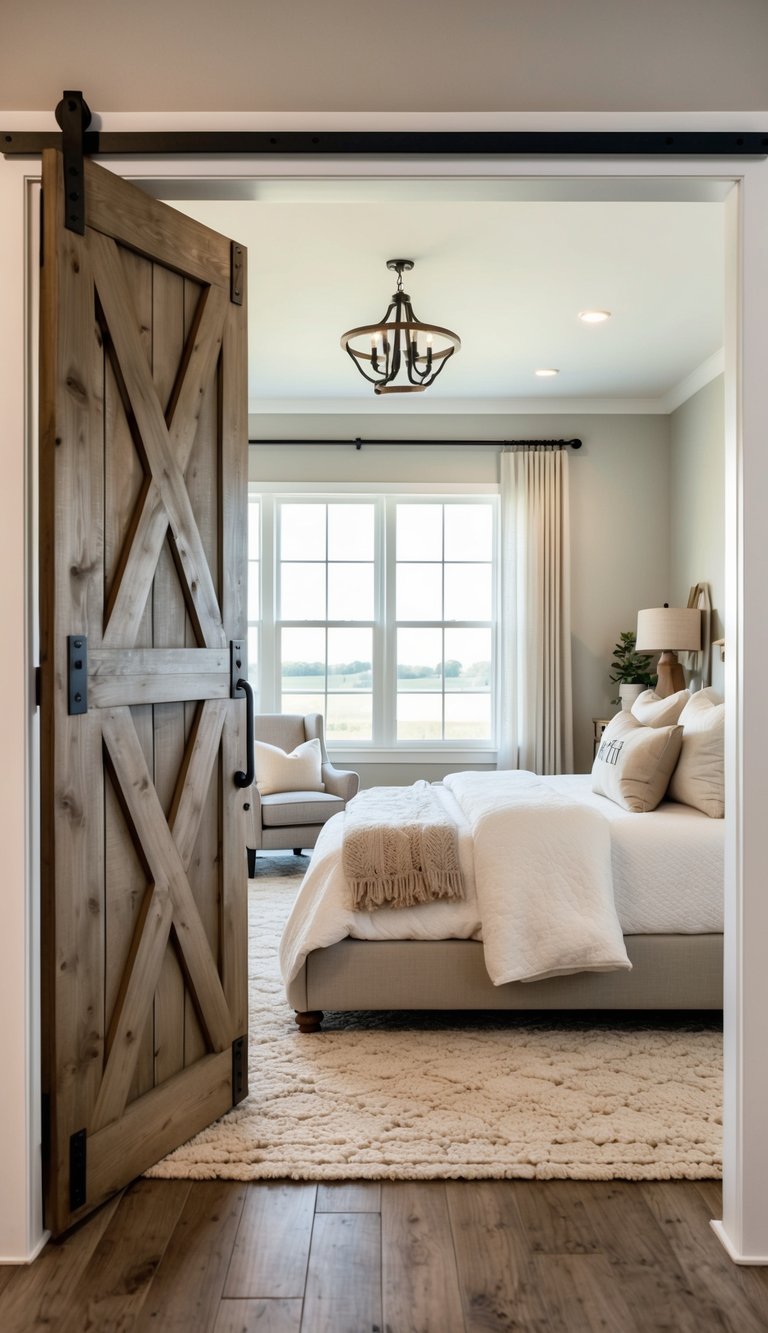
{"type": "Point", "coordinates": [294, 818]}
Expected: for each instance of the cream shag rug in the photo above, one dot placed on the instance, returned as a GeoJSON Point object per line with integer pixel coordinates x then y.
{"type": "Point", "coordinates": [431, 1096]}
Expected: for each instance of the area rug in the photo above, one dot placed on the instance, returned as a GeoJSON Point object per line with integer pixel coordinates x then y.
{"type": "Point", "coordinates": [455, 1096]}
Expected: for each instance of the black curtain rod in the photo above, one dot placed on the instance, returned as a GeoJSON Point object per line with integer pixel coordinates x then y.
{"type": "Point", "coordinates": [435, 444]}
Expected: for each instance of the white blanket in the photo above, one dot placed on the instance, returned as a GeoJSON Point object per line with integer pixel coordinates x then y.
{"type": "Point", "coordinates": [542, 877]}
{"type": "Point", "coordinates": [554, 939]}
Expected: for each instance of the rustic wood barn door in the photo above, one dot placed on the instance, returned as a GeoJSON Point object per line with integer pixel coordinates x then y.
{"type": "Point", "coordinates": [143, 475]}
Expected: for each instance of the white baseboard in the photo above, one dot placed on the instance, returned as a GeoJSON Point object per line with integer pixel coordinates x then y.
{"type": "Point", "coordinates": [725, 1241]}
{"type": "Point", "coordinates": [28, 1258]}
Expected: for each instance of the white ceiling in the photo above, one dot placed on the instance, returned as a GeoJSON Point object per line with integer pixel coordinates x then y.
{"type": "Point", "coordinates": [509, 276]}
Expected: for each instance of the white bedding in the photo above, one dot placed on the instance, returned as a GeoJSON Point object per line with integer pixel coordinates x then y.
{"type": "Point", "coordinates": [667, 878]}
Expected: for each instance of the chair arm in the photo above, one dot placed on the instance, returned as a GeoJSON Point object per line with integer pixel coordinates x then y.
{"type": "Point", "coordinates": [340, 781]}
{"type": "Point", "coordinates": [253, 818]}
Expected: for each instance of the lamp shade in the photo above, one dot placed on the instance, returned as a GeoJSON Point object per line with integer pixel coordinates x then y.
{"type": "Point", "coordinates": [668, 627]}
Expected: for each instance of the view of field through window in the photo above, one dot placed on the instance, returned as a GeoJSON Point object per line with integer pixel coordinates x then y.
{"type": "Point", "coordinates": [429, 673]}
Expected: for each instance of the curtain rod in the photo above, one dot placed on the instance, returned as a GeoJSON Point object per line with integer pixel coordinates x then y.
{"type": "Point", "coordinates": [434, 444]}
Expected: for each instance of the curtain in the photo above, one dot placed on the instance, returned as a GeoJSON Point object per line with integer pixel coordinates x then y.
{"type": "Point", "coordinates": [536, 730]}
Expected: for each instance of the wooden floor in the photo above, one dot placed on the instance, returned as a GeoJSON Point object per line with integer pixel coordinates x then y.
{"type": "Point", "coordinates": [459, 1257]}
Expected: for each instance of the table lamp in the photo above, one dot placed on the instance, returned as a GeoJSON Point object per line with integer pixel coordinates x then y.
{"type": "Point", "coordinates": [669, 629]}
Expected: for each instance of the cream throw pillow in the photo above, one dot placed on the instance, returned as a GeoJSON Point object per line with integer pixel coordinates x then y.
{"type": "Point", "coordinates": [699, 779]}
{"type": "Point", "coordinates": [654, 711]}
{"type": "Point", "coordinates": [633, 763]}
{"type": "Point", "coordinates": [300, 771]}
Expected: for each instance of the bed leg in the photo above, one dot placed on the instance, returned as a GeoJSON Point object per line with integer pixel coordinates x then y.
{"type": "Point", "coordinates": [309, 1022]}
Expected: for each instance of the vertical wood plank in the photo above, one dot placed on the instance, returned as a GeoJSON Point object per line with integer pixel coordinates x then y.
{"type": "Point", "coordinates": [169, 620]}
{"type": "Point", "coordinates": [233, 517]}
{"type": "Point", "coordinates": [420, 1287]}
{"type": "Point", "coordinates": [492, 1258]}
{"type": "Point", "coordinates": [71, 556]}
{"type": "Point", "coordinates": [258, 1317]}
{"type": "Point", "coordinates": [343, 1293]}
{"type": "Point", "coordinates": [203, 872]}
{"type": "Point", "coordinates": [188, 1285]}
{"type": "Point", "coordinates": [272, 1245]}
{"type": "Point", "coordinates": [125, 880]}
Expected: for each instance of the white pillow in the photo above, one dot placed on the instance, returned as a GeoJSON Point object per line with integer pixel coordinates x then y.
{"type": "Point", "coordinates": [699, 779]}
{"type": "Point", "coordinates": [633, 764]}
{"type": "Point", "coordinates": [653, 711]}
{"type": "Point", "coordinates": [300, 771]}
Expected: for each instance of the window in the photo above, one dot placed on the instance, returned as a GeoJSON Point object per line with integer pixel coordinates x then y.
{"type": "Point", "coordinates": [254, 589]}
{"type": "Point", "coordinates": [444, 620]}
{"type": "Point", "coordinates": [379, 612]}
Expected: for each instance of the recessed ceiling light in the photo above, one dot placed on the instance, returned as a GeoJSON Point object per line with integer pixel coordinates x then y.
{"type": "Point", "coordinates": [546, 371]}
{"type": "Point", "coordinates": [594, 316]}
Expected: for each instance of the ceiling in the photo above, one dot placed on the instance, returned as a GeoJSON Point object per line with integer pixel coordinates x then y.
{"type": "Point", "coordinates": [508, 275]}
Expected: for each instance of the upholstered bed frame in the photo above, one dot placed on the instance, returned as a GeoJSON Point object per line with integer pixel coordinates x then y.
{"type": "Point", "coordinates": [668, 972]}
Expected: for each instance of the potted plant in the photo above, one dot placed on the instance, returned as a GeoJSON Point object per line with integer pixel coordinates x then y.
{"type": "Point", "coordinates": [630, 670]}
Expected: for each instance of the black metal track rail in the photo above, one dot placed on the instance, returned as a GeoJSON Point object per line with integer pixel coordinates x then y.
{"type": "Point", "coordinates": [397, 144]}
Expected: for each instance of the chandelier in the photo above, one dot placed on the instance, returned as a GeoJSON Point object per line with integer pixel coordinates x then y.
{"type": "Point", "coordinates": [400, 341]}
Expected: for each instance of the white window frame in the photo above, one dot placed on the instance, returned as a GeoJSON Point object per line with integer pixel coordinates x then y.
{"type": "Point", "coordinates": [384, 746]}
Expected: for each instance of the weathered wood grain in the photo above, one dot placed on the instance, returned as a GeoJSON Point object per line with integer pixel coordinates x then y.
{"type": "Point", "coordinates": [420, 1288]}
{"type": "Point", "coordinates": [272, 1244]}
{"type": "Point", "coordinates": [343, 1292]}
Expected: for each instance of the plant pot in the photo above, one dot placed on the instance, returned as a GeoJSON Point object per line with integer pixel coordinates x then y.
{"type": "Point", "coordinates": [628, 694]}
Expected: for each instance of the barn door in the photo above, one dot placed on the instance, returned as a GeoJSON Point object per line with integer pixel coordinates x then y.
{"type": "Point", "coordinates": [143, 475]}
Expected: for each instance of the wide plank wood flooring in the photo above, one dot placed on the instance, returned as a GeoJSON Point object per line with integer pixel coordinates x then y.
{"type": "Point", "coordinates": [396, 1257]}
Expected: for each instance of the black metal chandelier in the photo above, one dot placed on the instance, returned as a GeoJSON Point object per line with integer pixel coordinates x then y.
{"type": "Point", "coordinates": [400, 340]}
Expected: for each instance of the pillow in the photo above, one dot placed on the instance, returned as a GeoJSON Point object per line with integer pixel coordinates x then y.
{"type": "Point", "coordinates": [699, 779]}
{"type": "Point", "coordinates": [633, 764]}
{"type": "Point", "coordinates": [654, 711]}
{"type": "Point", "coordinates": [300, 771]}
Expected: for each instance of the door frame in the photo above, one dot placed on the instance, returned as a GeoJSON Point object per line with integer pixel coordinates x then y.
{"type": "Point", "coordinates": [744, 1228]}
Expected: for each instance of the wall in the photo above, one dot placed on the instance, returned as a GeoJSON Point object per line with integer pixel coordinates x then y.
{"type": "Point", "coordinates": [619, 507]}
{"type": "Point", "coordinates": [492, 55]}
{"type": "Point", "coordinates": [697, 501]}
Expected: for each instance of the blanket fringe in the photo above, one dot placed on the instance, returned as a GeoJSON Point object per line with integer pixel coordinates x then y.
{"type": "Point", "coordinates": [405, 890]}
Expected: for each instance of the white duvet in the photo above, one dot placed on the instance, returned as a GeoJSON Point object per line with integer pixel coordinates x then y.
{"type": "Point", "coordinates": [543, 878]}
{"type": "Point", "coordinates": [626, 873]}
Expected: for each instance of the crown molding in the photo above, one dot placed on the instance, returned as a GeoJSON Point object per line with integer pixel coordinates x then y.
{"type": "Point", "coordinates": [687, 387]}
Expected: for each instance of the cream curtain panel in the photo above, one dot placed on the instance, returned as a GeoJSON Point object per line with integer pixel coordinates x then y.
{"type": "Point", "coordinates": [536, 724]}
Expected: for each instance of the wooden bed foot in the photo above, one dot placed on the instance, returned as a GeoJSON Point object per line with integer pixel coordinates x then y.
{"type": "Point", "coordinates": [309, 1022]}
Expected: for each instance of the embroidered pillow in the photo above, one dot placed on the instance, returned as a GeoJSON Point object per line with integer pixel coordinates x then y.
{"type": "Point", "coordinates": [699, 779]}
{"type": "Point", "coordinates": [277, 771]}
{"type": "Point", "coordinates": [654, 711]}
{"type": "Point", "coordinates": [633, 764]}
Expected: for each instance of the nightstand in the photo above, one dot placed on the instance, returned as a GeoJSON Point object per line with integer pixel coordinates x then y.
{"type": "Point", "coordinates": [598, 727]}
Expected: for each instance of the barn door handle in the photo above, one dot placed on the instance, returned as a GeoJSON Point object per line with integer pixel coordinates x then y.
{"type": "Point", "coordinates": [246, 779]}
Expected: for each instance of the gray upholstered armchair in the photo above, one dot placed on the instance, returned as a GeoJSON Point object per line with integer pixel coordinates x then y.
{"type": "Point", "coordinates": [294, 818]}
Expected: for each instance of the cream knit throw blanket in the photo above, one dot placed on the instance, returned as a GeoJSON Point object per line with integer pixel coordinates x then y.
{"type": "Point", "coordinates": [400, 848]}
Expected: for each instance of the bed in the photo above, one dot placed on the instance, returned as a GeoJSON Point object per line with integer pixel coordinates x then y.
{"type": "Point", "coordinates": [666, 886]}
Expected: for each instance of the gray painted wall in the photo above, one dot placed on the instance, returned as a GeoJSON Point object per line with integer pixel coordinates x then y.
{"type": "Point", "coordinates": [619, 518]}
{"type": "Point", "coordinates": [697, 476]}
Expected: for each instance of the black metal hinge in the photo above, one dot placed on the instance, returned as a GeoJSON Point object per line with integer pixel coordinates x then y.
{"type": "Point", "coordinates": [77, 674]}
{"type": "Point", "coordinates": [77, 1154]}
{"type": "Point", "coordinates": [236, 273]}
{"type": "Point", "coordinates": [38, 686]}
{"type": "Point", "coordinates": [74, 116]}
{"type": "Point", "coordinates": [239, 1069]}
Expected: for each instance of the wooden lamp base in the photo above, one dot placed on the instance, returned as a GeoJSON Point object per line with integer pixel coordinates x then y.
{"type": "Point", "coordinates": [671, 677]}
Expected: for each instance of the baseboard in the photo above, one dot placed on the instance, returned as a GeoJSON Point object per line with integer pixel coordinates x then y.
{"type": "Point", "coordinates": [27, 1258]}
{"type": "Point", "coordinates": [725, 1241]}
